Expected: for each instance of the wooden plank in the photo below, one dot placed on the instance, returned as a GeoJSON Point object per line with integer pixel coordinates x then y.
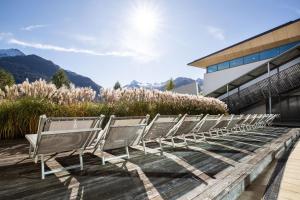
{"type": "Point", "coordinates": [180, 173]}
{"type": "Point", "coordinates": [290, 184]}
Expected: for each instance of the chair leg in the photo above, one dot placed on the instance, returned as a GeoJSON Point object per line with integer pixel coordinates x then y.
{"type": "Point", "coordinates": [173, 144]}
{"type": "Point", "coordinates": [127, 152]}
{"type": "Point", "coordinates": [42, 167]}
{"type": "Point", "coordinates": [81, 160]}
{"type": "Point", "coordinates": [144, 147]}
{"type": "Point", "coordinates": [161, 147]}
{"type": "Point", "coordinates": [195, 139]}
{"type": "Point", "coordinates": [103, 158]}
{"type": "Point", "coordinates": [186, 144]}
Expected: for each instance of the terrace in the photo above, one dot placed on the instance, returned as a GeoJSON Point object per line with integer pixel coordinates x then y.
{"type": "Point", "coordinates": [217, 168]}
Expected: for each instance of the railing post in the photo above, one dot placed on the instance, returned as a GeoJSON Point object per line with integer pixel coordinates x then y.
{"type": "Point", "coordinates": [269, 88]}
{"type": "Point", "coordinates": [227, 95]}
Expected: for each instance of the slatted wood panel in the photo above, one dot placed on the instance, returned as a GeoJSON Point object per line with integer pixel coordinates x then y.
{"type": "Point", "coordinates": [290, 183]}
{"type": "Point", "coordinates": [181, 173]}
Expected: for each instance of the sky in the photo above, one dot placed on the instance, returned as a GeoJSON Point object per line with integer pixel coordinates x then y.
{"type": "Point", "coordinates": [148, 41]}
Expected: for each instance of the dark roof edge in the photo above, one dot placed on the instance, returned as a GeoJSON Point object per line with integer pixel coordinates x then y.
{"type": "Point", "coordinates": [268, 31]}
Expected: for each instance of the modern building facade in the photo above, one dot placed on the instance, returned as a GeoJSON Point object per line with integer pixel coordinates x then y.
{"type": "Point", "coordinates": [258, 75]}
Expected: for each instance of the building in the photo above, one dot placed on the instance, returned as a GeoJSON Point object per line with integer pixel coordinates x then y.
{"type": "Point", "coordinates": [191, 89]}
{"type": "Point", "coordinates": [258, 75]}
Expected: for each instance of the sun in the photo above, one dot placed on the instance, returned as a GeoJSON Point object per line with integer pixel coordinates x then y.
{"type": "Point", "coordinates": [145, 18]}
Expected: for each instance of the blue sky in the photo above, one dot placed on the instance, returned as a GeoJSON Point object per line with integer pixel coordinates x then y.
{"type": "Point", "coordinates": [148, 41]}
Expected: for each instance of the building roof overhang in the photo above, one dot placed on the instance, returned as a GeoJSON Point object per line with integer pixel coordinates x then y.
{"type": "Point", "coordinates": [280, 35]}
{"type": "Point", "coordinates": [275, 62]}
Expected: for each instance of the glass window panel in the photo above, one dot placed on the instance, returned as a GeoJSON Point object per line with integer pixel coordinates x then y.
{"type": "Point", "coordinates": [223, 65]}
{"type": "Point", "coordinates": [287, 46]}
{"type": "Point", "coordinates": [251, 58]}
{"type": "Point", "coordinates": [212, 68]}
{"type": "Point", "coordinates": [236, 62]}
{"type": "Point", "coordinates": [269, 53]}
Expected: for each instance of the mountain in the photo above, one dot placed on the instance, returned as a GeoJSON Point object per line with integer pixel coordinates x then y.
{"type": "Point", "coordinates": [33, 67]}
{"type": "Point", "coordinates": [180, 81]}
{"type": "Point", "coordinates": [10, 52]}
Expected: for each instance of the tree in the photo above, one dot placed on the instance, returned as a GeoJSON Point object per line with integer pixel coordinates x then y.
{"type": "Point", "coordinates": [170, 85]}
{"type": "Point", "coordinates": [117, 85]}
{"type": "Point", "coordinates": [6, 78]}
{"type": "Point", "coordinates": [60, 78]}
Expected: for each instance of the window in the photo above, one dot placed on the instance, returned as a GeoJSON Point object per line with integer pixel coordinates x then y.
{"type": "Point", "coordinates": [251, 58]}
{"type": "Point", "coordinates": [212, 68]}
{"type": "Point", "coordinates": [269, 53]}
{"type": "Point", "coordinates": [223, 65]}
{"type": "Point", "coordinates": [236, 62]}
{"type": "Point", "coordinates": [287, 47]}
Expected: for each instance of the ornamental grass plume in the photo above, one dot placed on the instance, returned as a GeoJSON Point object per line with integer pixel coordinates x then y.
{"type": "Point", "coordinates": [42, 90]}
{"type": "Point", "coordinates": [163, 98]}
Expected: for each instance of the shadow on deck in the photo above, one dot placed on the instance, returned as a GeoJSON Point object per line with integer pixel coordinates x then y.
{"type": "Point", "coordinates": [179, 172]}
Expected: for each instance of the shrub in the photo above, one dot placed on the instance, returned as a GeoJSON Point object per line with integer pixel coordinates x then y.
{"type": "Point", "coordinates": [167, 101]}
{"type": "Point", "coordinates": [22, 104]}
{"type": "Point", "coordinates": [6, 78]}
{"type": "Point", "coordinates": [60, 79]}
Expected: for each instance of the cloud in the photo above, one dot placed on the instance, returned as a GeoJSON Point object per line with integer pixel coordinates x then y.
{"type": "Point", "coordinates": [84, 38]}
{"type": "Point", "coordinates": [5, 35]}
{"type": "Point", "coordinates": [216, 32]}
{"type": "Point", "coordinates": [70, 50]}
{"type": "Point", "coordinates": [35, 26]}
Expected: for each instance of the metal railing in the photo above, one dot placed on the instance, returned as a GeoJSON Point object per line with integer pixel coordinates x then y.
{"type": "Point", "coordinates": [281, 82]}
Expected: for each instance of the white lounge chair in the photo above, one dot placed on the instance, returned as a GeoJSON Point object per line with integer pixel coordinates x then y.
{"type": "Point", "coordinates": [186, 125]}
{"type": "Point", "coordinates": [120, 132]}
{"type": "Point", "coordinates": [207, 123]}
{"type": "Point", "coordinates": [57, 135]}
{"type": "Point", "coordinates": [159, 128]}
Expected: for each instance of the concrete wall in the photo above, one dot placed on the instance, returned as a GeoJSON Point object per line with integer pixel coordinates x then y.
{"type": "Point", "coordinates": [215, 80]}
{"type": "Point", "coordinates": [259, 108]}
{"type": "Point", "coordinates": [191, 88]}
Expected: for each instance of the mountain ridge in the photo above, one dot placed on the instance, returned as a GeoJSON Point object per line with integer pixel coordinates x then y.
{"type": "Point", "coordinates": [179, 81]}
{"type": "Point", "coordinates": [33, 67]}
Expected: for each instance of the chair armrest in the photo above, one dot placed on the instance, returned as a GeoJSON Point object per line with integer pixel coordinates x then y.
{"type": "Point", "coordinates": [32, 139]}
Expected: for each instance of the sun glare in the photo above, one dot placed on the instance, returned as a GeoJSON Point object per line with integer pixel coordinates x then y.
{"type": "Point", "coordinates": [145, 19]}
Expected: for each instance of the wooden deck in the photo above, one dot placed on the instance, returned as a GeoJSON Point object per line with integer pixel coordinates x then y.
{"type": "Point", "coordinates": [290, 183]}
{"type": "Point", "coordinates": [208, 170]}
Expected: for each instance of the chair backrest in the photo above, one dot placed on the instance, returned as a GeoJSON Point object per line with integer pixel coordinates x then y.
{"type": "Point", "coordinates": [122, 131]}
{"type": "Point", "coordinates": [224, 122]}
{"type": "Point", "coordinates": [64, 140]}
{"type": "Point", "coordinates": [270, 119]}
{"type": "Point", "coordinates": [187, 124]}
{"type": "Point", "coordinates": [62, 124]}
{"type": "Point", "coordinates": [248, 119]}
{"type": "Point", "coordinates": [263, 118]}
{"type": "Point", "coordinates": [161, 126]}
{"type": "Point", "coordinates": [208, 122]}
{"type": "Point", "coordinates": [241, 120]}
{"type": "Point", "coordinates": [72, 123]}
{"type": "Point", "coordinates": [234, 121]}
{"type": "Point", "coordinates": [256, 119]}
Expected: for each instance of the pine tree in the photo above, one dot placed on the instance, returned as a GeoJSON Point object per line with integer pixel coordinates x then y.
{"type": "Point", "coordinates": [6, 78]}
{"type": "Point", "coordinates": [170, 85]}
{"type": "Point", "coordinates": [117, 85]}
{"type": "Point", "coordinates": [60, 78]}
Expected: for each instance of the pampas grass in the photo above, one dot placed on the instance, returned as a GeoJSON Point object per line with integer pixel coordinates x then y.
{"type": "Point", "coordinates": [22, 104]}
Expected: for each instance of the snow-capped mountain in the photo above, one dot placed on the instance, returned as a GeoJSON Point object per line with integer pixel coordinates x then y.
{"type": "Point", "coordinates": [180, 81]}
{"type": "Point", "coordinates": [10, 53]}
